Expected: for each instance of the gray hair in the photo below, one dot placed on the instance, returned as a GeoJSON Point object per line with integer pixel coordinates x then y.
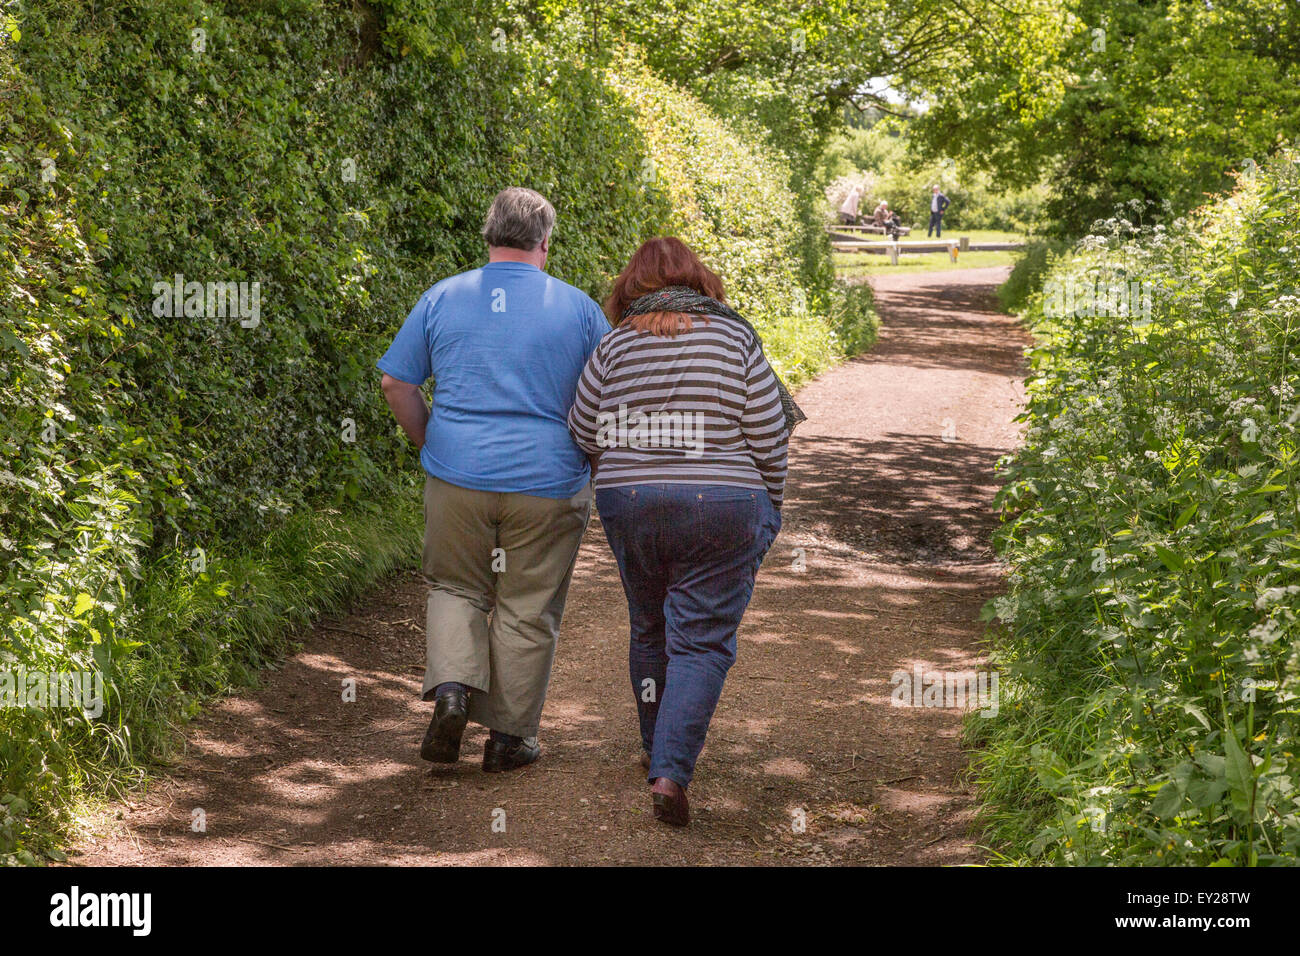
{"type": "Point", "coordinates": [519, 218]}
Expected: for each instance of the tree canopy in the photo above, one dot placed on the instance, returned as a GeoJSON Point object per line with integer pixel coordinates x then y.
{"type": "Point", "coordinates": [1147, 100]}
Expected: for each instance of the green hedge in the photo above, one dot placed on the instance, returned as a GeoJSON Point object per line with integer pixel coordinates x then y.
{"type": "Point", "coordinates": [731, 202]}
{"type": "Point", "coordinates": [178, 490]}
{"type": "Point", "coordinates": [1148, 641]}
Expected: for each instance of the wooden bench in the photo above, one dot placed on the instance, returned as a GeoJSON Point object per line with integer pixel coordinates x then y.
{"type": "Point", "coordinates": [870, 228]}
{"type": "Point", "coordinates": [950, 246]}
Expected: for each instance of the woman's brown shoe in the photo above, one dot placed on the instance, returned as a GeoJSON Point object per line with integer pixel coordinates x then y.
{"type": "Point", "coordinates": [670, 802]}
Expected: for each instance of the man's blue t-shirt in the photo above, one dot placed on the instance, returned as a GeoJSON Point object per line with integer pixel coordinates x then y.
{"type": "Point", "coordinates": [505, 345]}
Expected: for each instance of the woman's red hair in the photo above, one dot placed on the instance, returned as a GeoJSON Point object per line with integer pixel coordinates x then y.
{"type": "Point", "coordinates": [659, 263]}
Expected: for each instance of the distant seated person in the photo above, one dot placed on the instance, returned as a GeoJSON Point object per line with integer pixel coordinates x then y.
{"type": "Point", "coordinates": [882, 215]}
{"type": "Point", "coordinates": [849, 208]}
{"type": "Point", "coordinates": [894, 225]}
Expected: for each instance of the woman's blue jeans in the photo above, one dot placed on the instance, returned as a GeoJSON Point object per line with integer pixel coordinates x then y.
{"type": "Point", "coordinates": [688, 556]}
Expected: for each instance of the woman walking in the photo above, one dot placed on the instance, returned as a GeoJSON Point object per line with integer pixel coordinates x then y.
{"type": "Point", "coordinates": [686, 425]}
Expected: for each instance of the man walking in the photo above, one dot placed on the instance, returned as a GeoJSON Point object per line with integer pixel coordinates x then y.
{"type": "Point", "coordinates": [506, 495]}
{"type": "Point", "coordinates": [938, 203]}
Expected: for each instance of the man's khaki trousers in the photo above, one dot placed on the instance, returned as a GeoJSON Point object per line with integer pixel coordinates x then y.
{"type": "Point", "coordinates": [498, 567]}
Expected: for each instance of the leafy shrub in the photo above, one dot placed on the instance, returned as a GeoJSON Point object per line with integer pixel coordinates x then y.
{"type": "Point", "coordinates": [1148, 640]}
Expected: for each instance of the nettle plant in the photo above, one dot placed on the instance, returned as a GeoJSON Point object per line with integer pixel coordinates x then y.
{"type": "Point", "coordinates": [1150, 628]}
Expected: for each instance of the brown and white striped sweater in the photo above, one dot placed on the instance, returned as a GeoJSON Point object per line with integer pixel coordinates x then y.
{"type": "Point", "coordinates": [700, 408]}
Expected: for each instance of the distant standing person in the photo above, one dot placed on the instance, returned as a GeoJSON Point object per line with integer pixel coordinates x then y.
{"type": "Point", "coordinates": [938, 203]}
{"type": "Point", "coordinates": [849, 208]}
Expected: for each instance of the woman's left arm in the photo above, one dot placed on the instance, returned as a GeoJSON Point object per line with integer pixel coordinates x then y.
{"type": "Point", "coordinates": [763, 424]}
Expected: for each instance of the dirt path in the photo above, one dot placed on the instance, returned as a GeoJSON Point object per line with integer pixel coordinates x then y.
{"type": "Point", "coordinates": [889, 514]}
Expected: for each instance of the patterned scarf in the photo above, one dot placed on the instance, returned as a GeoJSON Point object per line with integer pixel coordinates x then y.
{"type": "Point", "coordinates": [676, 298]}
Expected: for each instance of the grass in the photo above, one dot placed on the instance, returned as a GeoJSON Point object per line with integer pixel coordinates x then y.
{"type": "Point", "coordinates": [852, 264]}
{"type": "Point", "coordinates": [203, 633]}
{"type": "Point", "coordinates": [849, 265]}
{"type": "Point", "coordinates": [207, 634]}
